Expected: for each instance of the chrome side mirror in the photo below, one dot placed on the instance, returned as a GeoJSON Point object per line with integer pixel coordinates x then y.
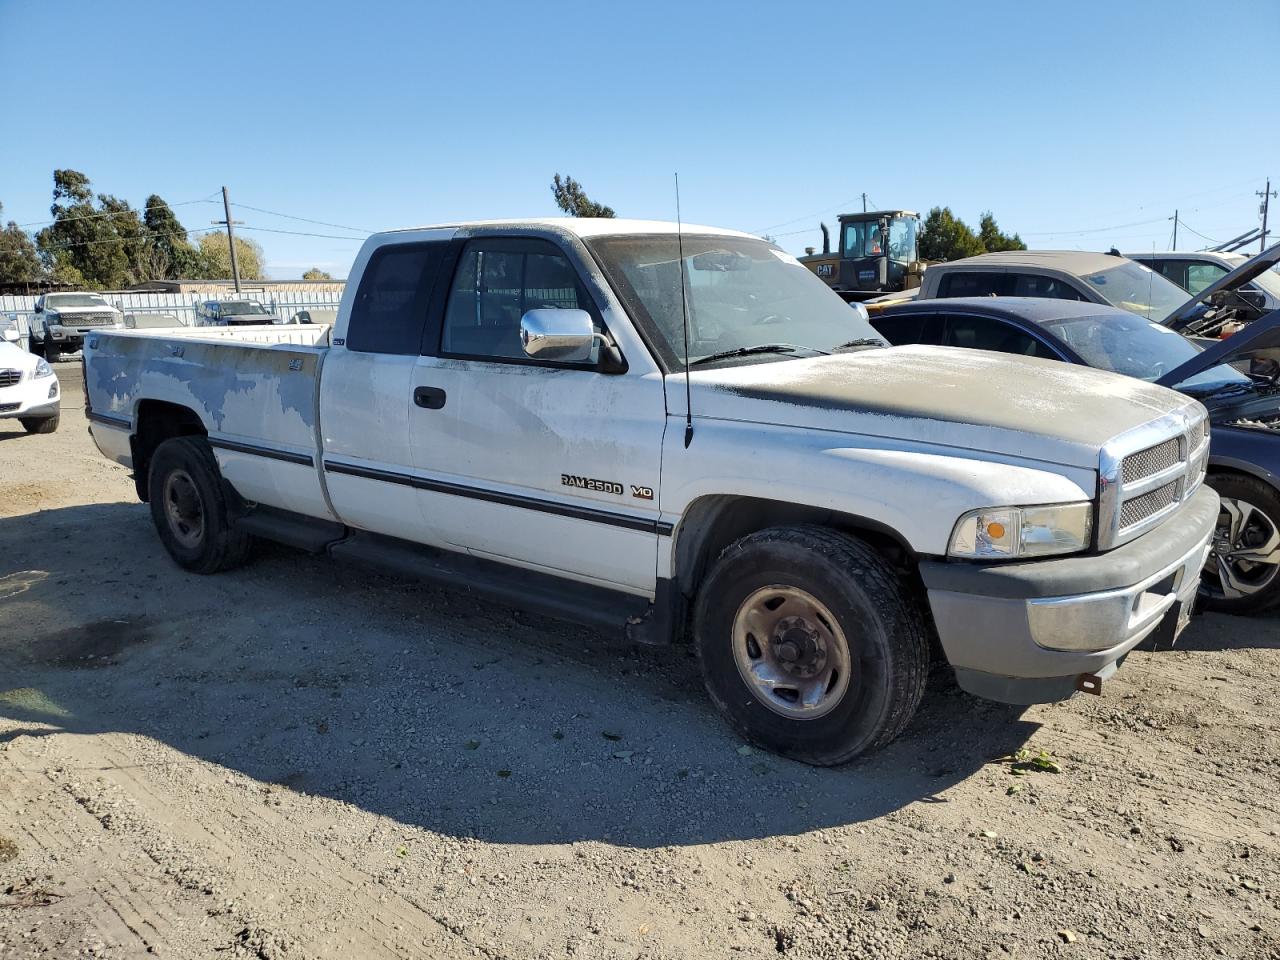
{"type": "Point", "coordinates": [567, 336]}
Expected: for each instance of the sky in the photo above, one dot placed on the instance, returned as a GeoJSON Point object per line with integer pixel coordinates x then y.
{"type": "Point", "coordinates": [1079, 124]}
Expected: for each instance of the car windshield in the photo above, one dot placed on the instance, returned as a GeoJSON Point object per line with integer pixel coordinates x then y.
{"type": "Point", "coordinates": [1269, 280]}
{"type": "Point", "coordinates": [63, 301]}
{"type": "Point", "coordinates": [241, 308]}
{"type": "Point", "coordinates": [1140, 348]}
{"type": "Point", "coordinates": [741, 293]}
{"type": "Point", "coordinates": [1138, 289]}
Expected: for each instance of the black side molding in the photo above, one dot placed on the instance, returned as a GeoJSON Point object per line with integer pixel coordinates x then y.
{"type": "Point", "coordinates": [271, 453]}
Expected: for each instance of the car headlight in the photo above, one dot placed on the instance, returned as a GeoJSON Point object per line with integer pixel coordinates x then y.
{"type": "Point", "coordinates": [43, 369]}
{"type": "Point", "coordinates": [997, 533]}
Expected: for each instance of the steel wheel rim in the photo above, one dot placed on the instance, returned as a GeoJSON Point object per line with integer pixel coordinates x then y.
{"type": "Point", "coordinates": [183, 508]}
{"type": "Point", "coordinates": [791, 652]}
{"type": "Point", "coordinates": [1244, 558]}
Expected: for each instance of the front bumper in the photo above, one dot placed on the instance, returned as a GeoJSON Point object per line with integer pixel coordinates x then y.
{"type": "Point", "coordinates": [31, 398]}
{"type": "Point", "coordinates": [1027, 632]}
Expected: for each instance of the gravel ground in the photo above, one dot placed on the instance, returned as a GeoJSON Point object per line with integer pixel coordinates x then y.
{"type": "Point", "coordinates": [304, 759]}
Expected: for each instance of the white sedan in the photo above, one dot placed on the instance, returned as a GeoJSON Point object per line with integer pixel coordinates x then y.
{"type": "Point", "coordinates": [28, 389]}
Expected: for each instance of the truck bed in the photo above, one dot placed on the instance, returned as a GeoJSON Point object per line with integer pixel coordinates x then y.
{"type": "Point", "coordinates": [254, 389]}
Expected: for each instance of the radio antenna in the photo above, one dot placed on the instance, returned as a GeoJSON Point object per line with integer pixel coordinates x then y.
{"type": "Point", "coordinates": [684, 307]}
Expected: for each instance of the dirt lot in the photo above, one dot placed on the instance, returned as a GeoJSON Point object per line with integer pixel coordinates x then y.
{"type": "Point", "coordinates": [302, 759]}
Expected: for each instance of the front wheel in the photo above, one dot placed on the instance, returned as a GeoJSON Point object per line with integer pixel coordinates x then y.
{"type": "Point", "coordinates": [52, 351]}
{"type": "Point", "coordinates": [810, 644]}
{"type": "Point", "coordinates": [1242, 574]}
{"type": "Point", "coordinates": [189, 509]}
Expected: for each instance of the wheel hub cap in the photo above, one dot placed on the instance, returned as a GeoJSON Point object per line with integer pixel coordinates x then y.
{"type": "Point", "coordinates": [791, 652]}
{"type": "Point", "coordinates": [183, 508]}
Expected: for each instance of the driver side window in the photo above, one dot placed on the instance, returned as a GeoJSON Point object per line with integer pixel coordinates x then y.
{"type": "Point", "coordinates": [496, 283]}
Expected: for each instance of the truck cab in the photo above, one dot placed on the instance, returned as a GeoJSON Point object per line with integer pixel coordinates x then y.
{"type": "Point", "coordinates": [877, 252]}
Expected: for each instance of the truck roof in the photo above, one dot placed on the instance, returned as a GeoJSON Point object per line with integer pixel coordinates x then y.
{"type": "Point", "coordinates": [588, 226]}
{"type": "Point", "coordinates": [1076, 262]}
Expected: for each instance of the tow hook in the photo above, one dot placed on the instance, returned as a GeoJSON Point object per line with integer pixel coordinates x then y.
{"type": "Point", "coordinates": [1089, 683]}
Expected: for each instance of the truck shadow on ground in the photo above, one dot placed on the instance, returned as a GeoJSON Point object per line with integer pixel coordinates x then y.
{"type": "Point", "coordinates": [424, 705]}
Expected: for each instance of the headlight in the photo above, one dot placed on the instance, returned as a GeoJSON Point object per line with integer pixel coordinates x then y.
{"type": "Point", "coordinates": [997, 533]}
{"type": "Point", "coordinates": [43, 369]}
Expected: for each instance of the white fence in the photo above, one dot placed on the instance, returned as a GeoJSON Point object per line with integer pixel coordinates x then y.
{"type": "Point", "coordinates": [182, 306]}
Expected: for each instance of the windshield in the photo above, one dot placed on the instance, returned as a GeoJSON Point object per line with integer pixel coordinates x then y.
{"type": "Point", "coordinates": [902, 238]}
{"type": "Point", "coordinates": [1268, 280]}
{"type": "Point", "coordinates": [240, 308]}
{"type": "Point", "coordinates": [741, 293]}
{"type": "Point", "coordinates": [61, 301]}
{"type": "Point", "coordinates": [1138, 289]}
{"type": "Point", "coordinates": [1139, 348]}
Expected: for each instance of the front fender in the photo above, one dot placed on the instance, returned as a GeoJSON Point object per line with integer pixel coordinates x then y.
{"type": "Point", "coordinates": [917, 491]}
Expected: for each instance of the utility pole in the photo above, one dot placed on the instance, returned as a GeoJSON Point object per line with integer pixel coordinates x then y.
{"type": "Point", "coordinates": [1175, 231]}
{"type": "Point", "coordinates": [864, 203]}
{"type": "Point", "coordinates": [231, 237]}
{"type": "Point", "coordinates": [1266, 196]}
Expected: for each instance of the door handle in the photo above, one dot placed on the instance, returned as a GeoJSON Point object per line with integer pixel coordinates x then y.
{"type": "Point", "coordinates": [431, 398]}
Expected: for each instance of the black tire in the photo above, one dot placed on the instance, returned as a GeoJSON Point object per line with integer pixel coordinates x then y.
{"type": "Point", "coordinates": [877, 613]}
{"type": "Point", "coordinates": [189, 509]}
{"type": "Point", "coordinates": [39, 424]}
{"type": "Point", "coordinates": [1263, 580]}
{"type": "Point", "coordinates": [52, 352]}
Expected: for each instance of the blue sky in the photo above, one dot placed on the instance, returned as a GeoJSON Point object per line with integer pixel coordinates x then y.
{"type": "Point", "coordinates": [1060, 117]}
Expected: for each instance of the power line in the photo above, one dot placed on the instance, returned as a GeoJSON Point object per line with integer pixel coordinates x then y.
{"type": "Point", "coordinates": [295, 233]}
{"type": "Point", "coordinates": [290, 216]}
{"type": "Point", "coordinates": [810, 216]}
{"type": "Point", "coordinates": [132, 239]}
{"type": "Point", "coordinates": [115, 213]}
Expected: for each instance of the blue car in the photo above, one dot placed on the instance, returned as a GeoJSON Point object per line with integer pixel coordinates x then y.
{"type": "Point", "coordinates": [1242, 574]}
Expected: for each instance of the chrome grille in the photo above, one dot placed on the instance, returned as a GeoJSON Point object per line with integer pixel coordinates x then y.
{"type": "Point", "coordinates": [9, 377]}
{"type": "Point", "coordinates": [1146, 473]}
{"type": "Point", "coordinates": [86, 319]}
{"type": "Point", "coordinates": [1151, 460]}
{"type": "Point", "coordinates": [1149, 504]}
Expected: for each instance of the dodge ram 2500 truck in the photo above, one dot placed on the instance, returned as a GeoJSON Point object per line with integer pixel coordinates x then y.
{"type": "Point", "coordinates": [684, 434]}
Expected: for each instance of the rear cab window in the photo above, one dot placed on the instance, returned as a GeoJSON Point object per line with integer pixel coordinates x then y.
{"type": "Point", "coordinates": [390, 308]}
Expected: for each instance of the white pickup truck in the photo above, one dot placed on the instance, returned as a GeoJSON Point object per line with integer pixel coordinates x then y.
{"type": "Point", "coordinates": [507, 406]}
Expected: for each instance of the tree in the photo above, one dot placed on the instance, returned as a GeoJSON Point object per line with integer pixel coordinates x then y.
{"type": "Point", "coordinates": [944, 236]}
{"type": "Point", "coordinates": [19, 262]}
{"type": "Point", "coordinates": [992, 239]}
{"type": "Point", "coordinates": [83, 245]}
{"type": "Point", "coordinates": [571, 198]}
{"type": "Point", "coordinates": [215, 259]}
{"type": "Point", "coordinates": [315, 273]}
{"type": "Point", "coordinates": [173, 255]}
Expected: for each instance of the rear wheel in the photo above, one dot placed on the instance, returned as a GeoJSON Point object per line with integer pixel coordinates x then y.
{"type": "Point", "coordinates": [810, 645]}
{"type": "Point", "coordinates": [1242, 574]}
{"type": "Point", "coordinates": [189, 509]}
{"type": "Point", "coordinates": [39, 424]}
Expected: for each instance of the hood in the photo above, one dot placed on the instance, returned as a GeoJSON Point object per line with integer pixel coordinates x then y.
{"type": "Point", "coordinates": [1260, 339]}
{"type": "Point", "coordinates": [13, 357]}
{"type": "Point", "coordinates": [1233, 281]}
{"type": "Point", "coordinates": [1018, 407]}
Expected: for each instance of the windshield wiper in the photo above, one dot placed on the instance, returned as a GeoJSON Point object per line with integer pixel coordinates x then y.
{"type": "Point", "coordinates": [758, 348]}
{"type": "Point", "coordinates": [861, 342]}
